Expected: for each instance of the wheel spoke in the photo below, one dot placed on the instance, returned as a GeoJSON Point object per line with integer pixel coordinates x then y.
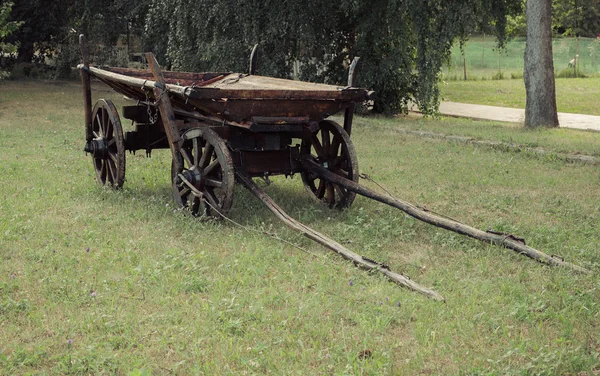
{"type": "Point", "coordinates": [109, 128]}
{"type": "Point", "coordinates": [213, 183]}
{"type": "Point", "coordinates": [206, 155]}
{"type": "Point", "coordinates": [337, 161]}
{"type": "Point", "coordinates": [196, 151]}
{"type": "Point", "coordinates": [103, 124]}
{"type": "Point", "coordinates": [335, 145]}
{"type": "Point", "coordinates": [113, 157]}
{"type": "Point", "coordinates": [326, 140]}
{"type": "Point", "coordinates": [317, 145]}
{"type": "Point", "coordinates": [330, 194]}
{"type": "Point", "coordinates": [211, 167]}
{"type": "Point", "coordinates": [96, 135]}
{"type": "Point", "coordinates": [321, 189]}
{"type": "Point", "coordinates": [103, 171]}
{"type": "Point", "coordinates": [188, 158]}
{"type": "Point", "coordinates": [211, 200]}
{"type": "Point", "coordinates": [100, 134]}
{"type": "Point", "coordinates": [341, 192]}
{"type": "Point", "coordinates": [111, 142]}
{"type": "Point", "coordinates": [112, 169]}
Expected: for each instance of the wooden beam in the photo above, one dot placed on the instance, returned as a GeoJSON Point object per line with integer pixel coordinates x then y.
{"type": "Point", "coordinates": [164, 105]}
{"type": "Point", "coordinates": [358, 260]}
{"type": "Point", "coordinates": [505, 240]}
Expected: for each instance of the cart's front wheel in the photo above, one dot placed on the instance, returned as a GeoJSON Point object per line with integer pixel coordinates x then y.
{"type": "Point", "coordinates": [203, 175]}
{"type": "Point", "coordinates": [107, 147]}
{"type": "Point", "coordinates": [330, 146]}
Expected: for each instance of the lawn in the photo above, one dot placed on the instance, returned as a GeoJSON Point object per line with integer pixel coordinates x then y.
{"type": "Point", "coordinates": [94, 281]}
{"type": "Point", "coordinates": [574, 95]}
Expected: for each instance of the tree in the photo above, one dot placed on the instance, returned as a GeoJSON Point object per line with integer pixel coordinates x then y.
{"type": "Point", "coordinates": [540, 106]}
{"type": "Point", "coordinates": [6, 27]}
{"type": "Point", "coordinates": [43, 22]}
{"type": "Point", "coordinates": [403, 43]}
{"type": "Point", "coordinates": [577, 17]}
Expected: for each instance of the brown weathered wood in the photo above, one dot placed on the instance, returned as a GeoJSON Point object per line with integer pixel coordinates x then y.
{"type": "Point", "coordinates": [164, 106]}
{"type": "Point", "coordinates": [358, 260]}
{"type": "Point", "coordinates": [349, 113]}
{"type": "Point", "coordinates": [87, 89]}
{"type": "Point", "coordinates": [504, 240]}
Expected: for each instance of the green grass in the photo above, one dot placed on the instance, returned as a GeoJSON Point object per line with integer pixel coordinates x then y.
{"type": "Point", "coordinates": [560, 140]}
{"type": "Point", "coordinates": [159, 292]}
{"type": "Point", "coordinates": [574, 95]}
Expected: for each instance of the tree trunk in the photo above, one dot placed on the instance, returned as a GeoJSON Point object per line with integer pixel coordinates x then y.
{"type": "Point", "coordinates": [540, 107]}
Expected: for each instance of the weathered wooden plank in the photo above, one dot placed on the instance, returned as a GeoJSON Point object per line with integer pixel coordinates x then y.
{"type": "Point", "coordinates": [505, 240]}
{"type": "Point", "coordinates": [164, 105]}
{"type": "Point", "coordinates": [358, 260]}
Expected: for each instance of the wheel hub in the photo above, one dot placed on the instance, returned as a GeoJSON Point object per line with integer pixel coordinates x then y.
{"type": "Point", "coordinates": [97, 147]}
{"type": "Point", "coordinates": [194, 176]}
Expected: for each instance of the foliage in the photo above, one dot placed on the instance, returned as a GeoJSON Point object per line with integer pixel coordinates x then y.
{"type": "Point", "coordinates": [6, 27]}
{"type": "Point", "coordinates": [577, 17]}
{"type": "Point", "coordinates": [50, 29]}
{"type": "Point", "coordinates": [402, 43]}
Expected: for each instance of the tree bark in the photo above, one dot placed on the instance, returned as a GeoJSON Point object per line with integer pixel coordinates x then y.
{"type": "Point", "coordinates": [540, 106]}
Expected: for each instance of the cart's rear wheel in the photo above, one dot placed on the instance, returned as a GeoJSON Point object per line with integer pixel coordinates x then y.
{"type": "Point", "coordinates": [203, 175]}
{"type": "Point", "coordinates": [330, 146]}
{"type": "Point", "coordinates": [107, 147]}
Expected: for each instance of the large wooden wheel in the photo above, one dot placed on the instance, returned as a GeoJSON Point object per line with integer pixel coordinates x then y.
{"type": "Point", "coordinates": [330, 146]}
{"type": "Point", "coordinates": [107, 147]}
{"type": "Point", "coordinates": [203, 175]}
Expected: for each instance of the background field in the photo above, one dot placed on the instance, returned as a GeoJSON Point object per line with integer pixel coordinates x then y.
{"type": "Point", "coordinates": [486, 61]}
{"type": "Point", "coordinates": [502, 85]}
{"type": "Point", "coordinates": [104, 282]}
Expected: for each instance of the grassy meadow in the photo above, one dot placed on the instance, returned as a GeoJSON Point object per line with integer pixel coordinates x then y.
{"type": "Point", "coordinates": [574, 95]}
{"type": "Point", "coordinates": [94, 281]}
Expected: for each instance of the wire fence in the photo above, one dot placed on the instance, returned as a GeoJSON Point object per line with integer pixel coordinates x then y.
{"type": "Point", "coordinates": [482, 60]}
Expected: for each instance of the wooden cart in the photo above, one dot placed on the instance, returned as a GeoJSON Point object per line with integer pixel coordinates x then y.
{"type": "Point", "coordinates": [227, 127]}
{"type": "Point", "coordinates": [219, 123]}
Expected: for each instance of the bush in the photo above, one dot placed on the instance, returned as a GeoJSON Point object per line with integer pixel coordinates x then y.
{"type": "Point", "coordinates": [570, 73]}
{"type": "Point", "coordinates": [498, 76]}
{"type": "Point", "coordinates": [516, 76]}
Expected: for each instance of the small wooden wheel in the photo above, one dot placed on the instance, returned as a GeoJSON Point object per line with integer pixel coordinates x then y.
{"type": "Point", "coordinates": [203, 175]}
{"type": "Point", "coordinates": [107, 147]}
{"type": "Point", "coordinates": [330, 146]}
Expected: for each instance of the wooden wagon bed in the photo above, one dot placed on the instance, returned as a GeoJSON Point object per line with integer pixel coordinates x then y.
{"type": "Point", "coordinates": [234, 96]}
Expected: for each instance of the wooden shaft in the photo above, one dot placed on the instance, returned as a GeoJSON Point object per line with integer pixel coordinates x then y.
{"type": "Point", "coordinates": [164, 105]}
{"type": "Point", "coordinates": [181, 91]}
{"type": "Point", "coordinates": [349, 113]}
{"type": "Point", "coordinates": [87, 89]}
{"type": "Point", "coordinates": [506, 241]}
{"type": "Point", "coordinates": [252, 69]}
{"type": "Point", "coordinates": [331, 244]}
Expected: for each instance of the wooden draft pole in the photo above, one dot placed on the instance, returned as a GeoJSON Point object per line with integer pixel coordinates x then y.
{"type": "Point", "coordinates": [349, 113]}
{"type": "Point", "coordinates": [87, 89]}
{"type": "Point", "coordinates": [358, 260]}
{"type": "Point", "coordinates": [165, 108]}
{"type": "Point", "coordinates": [505, 240]}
